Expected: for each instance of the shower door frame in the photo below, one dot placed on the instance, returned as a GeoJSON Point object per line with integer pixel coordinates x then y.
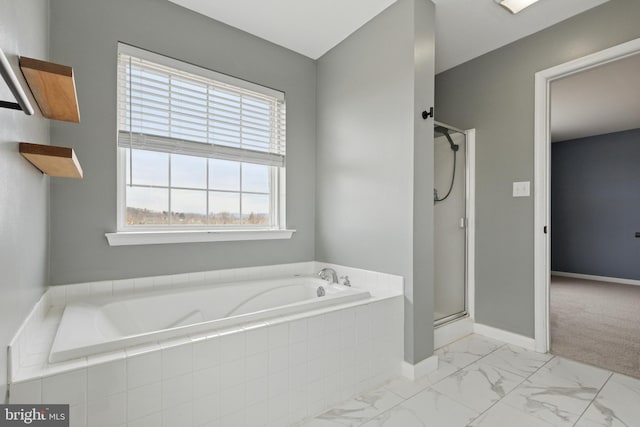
{"type": "Point", "coordinates": [470, 216]}
{"type": "Point", "coordinates": [542, 176]}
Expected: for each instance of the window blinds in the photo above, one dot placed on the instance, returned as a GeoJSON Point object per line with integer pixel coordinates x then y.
{"type": "Point", "coordinates": [175, 107]}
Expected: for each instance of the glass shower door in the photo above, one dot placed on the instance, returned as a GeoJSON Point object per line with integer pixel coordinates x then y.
{"type": "Point", "coordinates": [450, 233]}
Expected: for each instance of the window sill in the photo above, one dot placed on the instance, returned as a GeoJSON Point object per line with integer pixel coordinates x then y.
{"type": "Point", "coordinates": [128, 238]}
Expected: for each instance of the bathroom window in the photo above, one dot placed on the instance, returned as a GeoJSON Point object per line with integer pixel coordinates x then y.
{"type": "Point", "coordinates": [196, 149]}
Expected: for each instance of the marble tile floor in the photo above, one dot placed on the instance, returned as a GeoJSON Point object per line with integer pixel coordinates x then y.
{"type": "Point", "coordinates": [481, 382]}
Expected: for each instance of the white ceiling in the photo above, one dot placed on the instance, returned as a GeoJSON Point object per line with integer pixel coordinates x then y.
{"type": "Point", "coordinates": [589, 103]}
{"type": "Point", "coordinates": [465, 29]}
{"type": "Point", "coordinates": [309, 27]}
{"type": "Point", "coordinates": [601, 100]}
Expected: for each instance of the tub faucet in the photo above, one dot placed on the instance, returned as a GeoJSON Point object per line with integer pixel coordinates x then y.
{"type": "Point", "coordinates": [328, 274]}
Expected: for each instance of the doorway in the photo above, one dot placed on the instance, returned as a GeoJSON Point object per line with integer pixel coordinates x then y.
{"type": "Point", "coordinates": [542, 148]}
{"type": "Point", "coordinates": [454, 153]}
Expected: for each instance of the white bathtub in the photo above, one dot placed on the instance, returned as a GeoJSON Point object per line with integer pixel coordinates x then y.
{"type": "Point", "coordinates": [101, 324]}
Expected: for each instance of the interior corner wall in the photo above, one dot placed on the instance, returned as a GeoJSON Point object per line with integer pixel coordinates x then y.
{"type": "Point", "coordinates": [365, 158]}
{"type": "Point", "coordinates": [495, 95]}
{"type": "Point", "coordinates": [24, 190]}
{"type": "Point", "coordinates": [595, 200]}
{"type": "Point", "coordinates": [84, 34]}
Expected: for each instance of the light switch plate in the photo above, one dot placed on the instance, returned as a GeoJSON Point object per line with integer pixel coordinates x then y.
{"type": "Point", "coordinates": [521, 189]}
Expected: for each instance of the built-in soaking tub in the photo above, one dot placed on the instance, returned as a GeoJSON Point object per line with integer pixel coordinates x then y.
{"type": "Point", "coordinates": [102, 324]}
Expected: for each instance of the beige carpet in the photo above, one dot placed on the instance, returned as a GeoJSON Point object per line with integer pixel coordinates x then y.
{"type": "Point", "coordinates": [596, 323]}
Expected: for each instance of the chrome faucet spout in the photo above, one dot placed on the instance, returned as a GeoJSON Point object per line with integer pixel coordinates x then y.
{"type": "Point", "coordinates": [328, 274]}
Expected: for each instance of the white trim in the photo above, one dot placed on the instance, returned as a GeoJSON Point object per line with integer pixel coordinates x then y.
{"type": "Point", "coordinates": [192, 236]}
{"type": "Point", "coordinates": [471, 222]}
{"type": "Point", "coordinates": [505, 336]}
{"type": "Point", "coordinates": [597, 278]}
{"type": "Point", "coordinates": [541, 214]}
{"type": "Point", "coordinates": [420, 369]}
{"type": "Point", "coordinates": [121, 189]}
{"type": "Point", "coordinates": [542, 192]}
{"type": "Point", "coordinates": [450, 332]}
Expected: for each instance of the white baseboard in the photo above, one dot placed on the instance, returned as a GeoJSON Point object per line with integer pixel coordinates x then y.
{"type": "Point", "coordinates": [505, 336]}
{"type": "Point", "coordinates": [446, 334]}
{"type": "Point", "coordinates": [420, 369]}
{"type": "Point", "coordinates": [597, 278]}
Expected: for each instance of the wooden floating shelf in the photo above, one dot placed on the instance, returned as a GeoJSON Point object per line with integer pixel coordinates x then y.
{"type": "Point", "coordinates": [53, 87]}
{"type": "Point", "coordinates": [52, 160]}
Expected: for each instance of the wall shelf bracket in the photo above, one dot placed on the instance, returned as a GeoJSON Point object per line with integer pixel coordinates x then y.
{"type": "Point", "coordinates": [11, 105]}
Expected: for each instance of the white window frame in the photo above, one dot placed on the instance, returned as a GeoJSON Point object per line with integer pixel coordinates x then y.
{"type": "Point", "coordinates": [160, 234]}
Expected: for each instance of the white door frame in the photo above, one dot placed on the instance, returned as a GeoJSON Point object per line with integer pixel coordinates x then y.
{"type": "Point", "coordinates": [471, 222]}
{"type": "Point", "coordinates": [542, 158]}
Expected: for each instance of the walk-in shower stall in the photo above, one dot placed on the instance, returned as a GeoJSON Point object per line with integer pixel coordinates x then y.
{"type": "Point", "coordinates": [450, 198]}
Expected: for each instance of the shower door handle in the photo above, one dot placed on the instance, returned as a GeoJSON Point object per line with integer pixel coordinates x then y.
{"type": "Point", "coordinates": [462, 223]}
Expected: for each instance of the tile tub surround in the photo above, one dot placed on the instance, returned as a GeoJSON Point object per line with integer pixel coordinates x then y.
{"type": "Point", "coordinates": [30, 346]}
{"type": "Point", "coordinates": [493, 384]}
{"type": "Point", "coordinates": [282, 371]}
{"type": "Point", "coordinates": [270, 373]}
{"type": "Point", "coordinates": [378, 284]}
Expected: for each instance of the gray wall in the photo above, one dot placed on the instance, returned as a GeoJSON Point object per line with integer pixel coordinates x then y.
{"type": "Point", "coordinates": [24, 191]}
{"type": "Point", "coordinates": [84, 34]}
{"type": "Point", "coordinates": [495, 94]}
{"type": "Point", "coordinates": [595, 205]}
{"type": "Point", "coordinates": [367, 122]}
{"type": "Point", "coordinates": [419, 304]}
